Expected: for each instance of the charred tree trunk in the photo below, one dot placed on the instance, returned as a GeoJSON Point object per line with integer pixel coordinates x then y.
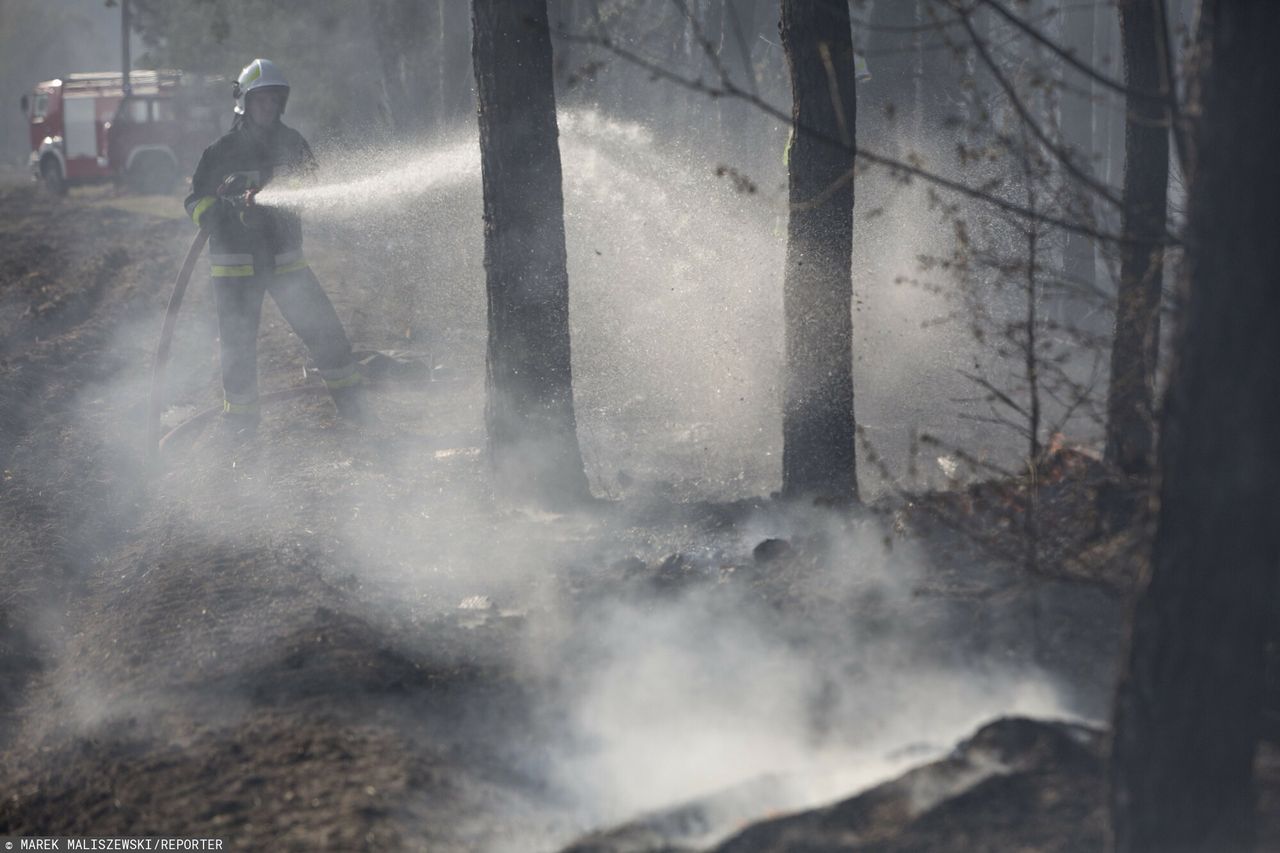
{"type": "Point", "coordinates": [818, 425]}
{"type": "Point", "coordinates": [1131, 394]}
{"type": "Point", "coordinates": [532, 438]}
{"type": "Point", "coordinates": [1188, 711]}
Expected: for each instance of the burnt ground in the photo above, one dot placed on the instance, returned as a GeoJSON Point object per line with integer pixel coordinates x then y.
{"type": "Point", "coordinates": [331, 639]}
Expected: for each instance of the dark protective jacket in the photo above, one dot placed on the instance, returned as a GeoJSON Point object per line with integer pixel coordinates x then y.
{"type": "Point", "coordinates": [259, 239]}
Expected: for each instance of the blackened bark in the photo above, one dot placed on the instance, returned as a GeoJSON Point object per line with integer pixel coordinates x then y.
{"type": "Point", "coordinates": [532, 439]}
{"type": "Point", "coordinates": [1188, 711]}
{"type": "Point", "coordinates": [818, 424]}
{"type": "Point", "coordinates": [1135, 348]}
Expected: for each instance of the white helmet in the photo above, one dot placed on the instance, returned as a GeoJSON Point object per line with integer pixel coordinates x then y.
{"type": "Point", "coordinates": [259, 74]}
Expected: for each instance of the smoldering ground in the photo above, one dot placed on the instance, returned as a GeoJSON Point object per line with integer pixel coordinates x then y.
{"type": "Point", "coordinates": [606, 662]}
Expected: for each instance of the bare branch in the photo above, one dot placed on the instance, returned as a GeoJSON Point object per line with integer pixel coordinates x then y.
{"type": "Point", "coordinates": [1069, 56]}
{"type": "Point", "coordinates": [1061, 154]}
{"type": "Point", "coordinates": [995, 392]}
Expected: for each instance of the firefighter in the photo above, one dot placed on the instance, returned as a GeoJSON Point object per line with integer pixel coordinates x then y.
{"type": "Point", "coordinates": [257, 250]}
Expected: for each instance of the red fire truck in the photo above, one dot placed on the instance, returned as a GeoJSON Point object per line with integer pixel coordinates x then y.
{"type": "Point", "coordinates": [84, 129]}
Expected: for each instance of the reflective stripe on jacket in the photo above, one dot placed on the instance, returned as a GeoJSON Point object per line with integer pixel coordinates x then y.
{"type": "Point", "coordinates": [242, 266]}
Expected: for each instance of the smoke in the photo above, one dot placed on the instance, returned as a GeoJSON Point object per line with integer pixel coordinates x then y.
{"type": "Point", "coordinates": [825, 673]}
{"type": "Point", "coordinates": [790, 698]}
{"type": "Point", "coordinates": [676, 312]}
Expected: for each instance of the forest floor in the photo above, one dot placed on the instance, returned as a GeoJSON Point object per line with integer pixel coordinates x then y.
{"type": "Point", "coordinates": [339, 639]}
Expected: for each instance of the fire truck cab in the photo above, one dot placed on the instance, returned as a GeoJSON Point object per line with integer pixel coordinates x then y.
{"type": "Point", "coordinates": [83, 129]}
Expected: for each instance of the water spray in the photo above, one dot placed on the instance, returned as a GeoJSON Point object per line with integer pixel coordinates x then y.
{"type": "Point", "coordinates": [402, 177]}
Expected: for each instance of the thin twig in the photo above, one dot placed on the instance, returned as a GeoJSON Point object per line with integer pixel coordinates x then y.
{"type": "Point", "coordinates": [995, 392]}
{"type": "Point", "coordinates": [1069, 56]}
{"type": "Point", "coordinates": [1058, 152]}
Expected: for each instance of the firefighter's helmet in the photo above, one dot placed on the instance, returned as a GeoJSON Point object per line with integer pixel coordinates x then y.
{"type": "Point", "coordinates": [260, 74]}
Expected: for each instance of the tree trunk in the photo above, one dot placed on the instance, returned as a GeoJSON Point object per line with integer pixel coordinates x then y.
{"type": "Point", "coordinates": [818, 425]}
{"type": "Point", "coordinates": [1131, 393]}
{"type": "Point", "coordinates": [532, 439]}
{"type": "Point", "coordinates": [1108, 59]}
{"type": "Point", "coordinates": [1188, 711]}
{"type": "Point", "coordinates": [1077, 131]}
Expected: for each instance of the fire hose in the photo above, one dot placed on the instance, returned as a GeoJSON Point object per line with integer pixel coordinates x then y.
{"type": "Point", "coordinates": [236, 186]}
{"type": "Point", "coordinates": [156, 441]}
{"type": "Point", "coordinates": [239, 191]}
{"type": "Point", "coordinates": [161, 362]}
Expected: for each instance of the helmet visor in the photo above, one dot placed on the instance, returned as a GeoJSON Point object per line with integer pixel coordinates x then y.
{"type": "Point", "coordinates": [279, 95]}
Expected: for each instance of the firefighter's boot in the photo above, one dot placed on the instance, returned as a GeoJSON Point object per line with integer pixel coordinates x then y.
{"type": "Point", "coordinates": [353, 405]}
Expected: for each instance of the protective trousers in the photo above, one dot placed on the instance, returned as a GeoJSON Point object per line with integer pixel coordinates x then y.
{"type": "Point", "coordinates": [308, 310]}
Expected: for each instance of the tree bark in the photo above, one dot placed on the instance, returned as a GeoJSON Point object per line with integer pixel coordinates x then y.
{"type": "Point", "coordinates": [1187, 712]}
{"type": "Point", "coordinates": [1135, 348]}
{"type": "Point", "coordinates": [818, 456]}
{"type": "Point", "coordinates": [529, 416]}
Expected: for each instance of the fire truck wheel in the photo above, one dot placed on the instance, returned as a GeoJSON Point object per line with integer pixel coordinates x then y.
{"type": "Point", "coordinates": [152, 174]}
{"type": "Point", "coordinates": [51, 174]}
